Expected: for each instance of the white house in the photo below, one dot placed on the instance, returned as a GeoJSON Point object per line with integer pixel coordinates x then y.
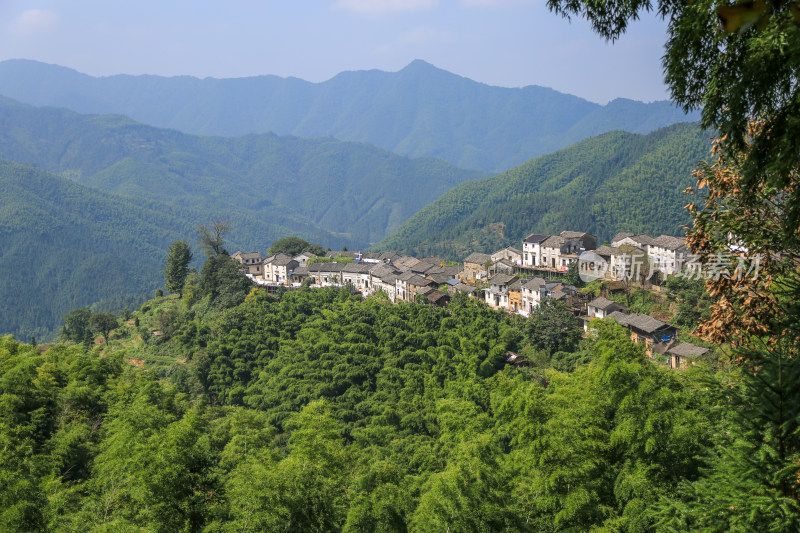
{"type": "Point", "coordinates": [533, 291]}
{"type": "Point", "coordinates": [532, 249]}
{"type": "Point", "coordinates": [497, 293]}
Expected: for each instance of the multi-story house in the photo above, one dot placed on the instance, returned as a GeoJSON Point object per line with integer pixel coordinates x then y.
{"type": "Point", "coordinates": [475, 266]}
{"type": "Point", "coordinates": [667, 254]}
{"type": "Point", "coordinates": [497, 294]}
{"type": "Point", "coordinates": [278, 268]}
{"type": "Point", "coordinates": [533, 291]}
{"type": "Point", "coordinates": [510, 254]}
{"type": "Point", "coordinates": [252, 260]}
{"type": "Point", "coordinates": [532, 249]}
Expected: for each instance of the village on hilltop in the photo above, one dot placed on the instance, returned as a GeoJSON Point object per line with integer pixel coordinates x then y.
{"type": "Point", "coordinates": [513, 280]}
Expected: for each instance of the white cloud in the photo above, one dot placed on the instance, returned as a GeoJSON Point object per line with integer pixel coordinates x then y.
{"type": "Point", "coordinates": [377, 7]}
{"type": "Point", "coordinates": [34, 21]}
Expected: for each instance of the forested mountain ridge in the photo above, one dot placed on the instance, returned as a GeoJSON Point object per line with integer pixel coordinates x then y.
{"type": "Point", "coordinates": [65, 245]}
{"type": "Point", "coordinates": [614, 182]}
{"type": "Point", "coordinates": [418, 111]}
{"type": "Point", "coordinates": [340, 193]}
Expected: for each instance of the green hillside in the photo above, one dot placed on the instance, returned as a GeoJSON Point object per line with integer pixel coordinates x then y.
{"type": "Point", "coordinates": [323, 189]}
{"type": "Point", "coordinates": [419, 111]}
{"type": "Point", "coordinates": [613, 182]}
{"type": "Point", "coordinates": [65, 245]}
{"type": "Point", "coordinates": [317, 411]}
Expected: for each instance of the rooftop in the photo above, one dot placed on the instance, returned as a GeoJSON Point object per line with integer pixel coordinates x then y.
{"type": "Point", "coordinates": [479, 258]}
{"type": "Point", "coordinates": [502, 279]}
{"type": "Point", "coordinates": [670, 243]}
{"type": "Point", "coordinates": [605, 251]}
{"type": "Point", "coordinates": [553, 241]}
{"type": "Point", "coordinates": [604, 303]}
{"type": "Point", "coordinates": [533, 238]}
{"type": "Point", "coordinates": [534, 284]}
{"type": "Point", "coordinates": [686, 349]}
{"type": "Point", "coordinates": [620, 236]}
{"type": "Point", "coordinates": [645, 323]}
{"type": "Point", "coordinates": [573, 234]}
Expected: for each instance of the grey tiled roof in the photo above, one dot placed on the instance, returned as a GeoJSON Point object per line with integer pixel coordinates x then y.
{"type": "Point", "coordinates": [554, 241]}
{"type": "Point", "coordinates": [439, 278]}
{"type": "Point", "coordinates": [603, 303]}
{"type": "Point", "coordinates": [685, 349]}
{"type": "Point", "coordinates": [645, 323]}
{"type": "Point", "coordinates": [420, 281]}
{"type": "Point", "coordinates": [534, 284]}
{"type": "Point", "coordinates": [284, 260]}
{"type": "Point", "coordinates": [463, 287]}
{"type": "Point", "coordinates": [605, 251]}
{"type": "Point", "coordinates": [670, 243]}
{"type": "Point", "coordinates": [390, 278]}
{"type": "Point", "coordinates": [573, 234]}
{"type": "Point", "coordinates": [501, 279]}
{"type": "Point", "coordinates": [405, 276]}
{"type": "Point", "coordinates": [249, 255]}
{"type": "Point", "coordinates": [477, 257]}
{"type": "Point", "coordinates": [533, 238]}
{"type": "Point", "coordinates": [643, 238]}
{"type": "Point", "coordinates": [620, 317]}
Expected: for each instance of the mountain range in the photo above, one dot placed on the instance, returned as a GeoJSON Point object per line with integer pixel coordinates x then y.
{"type": "Point", "coordinates": [337, 192]}
{"type": "Point", "coordinates": [91, 202]}
{"type": "Point", "coordinates": [419, 111]}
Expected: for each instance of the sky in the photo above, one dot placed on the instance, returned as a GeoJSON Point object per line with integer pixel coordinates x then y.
{"type": "Point", "coordinates": [509, 43]}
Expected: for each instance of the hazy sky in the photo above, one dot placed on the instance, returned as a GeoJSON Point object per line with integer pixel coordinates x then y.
{"type": "Point", "coordinates": [509, 43]}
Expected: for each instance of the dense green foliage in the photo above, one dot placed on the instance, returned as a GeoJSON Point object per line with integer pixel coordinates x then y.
{"type": "Point", "coordinates": [294, 246]}
{"type": "Point", "coordinates": [691, 299]}
{"type": "Point", "coordinates": [419, 111]}
{"type": "Point", "coordinates": [178, 260]}
{"type": "Point", "coordinates": [738, 62]}
{"type": "Point", "coordinates": [268, 187]}
{"type": "Point", "coordinates": [610, 183]}
{"type": "Point", "coordinates": [316, 411]}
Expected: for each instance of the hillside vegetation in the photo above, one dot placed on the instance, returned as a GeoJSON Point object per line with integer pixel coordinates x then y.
{"type": "Point", "coordinates": [316, 411]}
{"type": "Point", "coordinates": [339, 193]}
{"type": "Point", "coordinates": [610, 183]}
{"type": "Point", "coordinates": [65, 245]}
{"type": "Point", "coordinates": [419, 111]}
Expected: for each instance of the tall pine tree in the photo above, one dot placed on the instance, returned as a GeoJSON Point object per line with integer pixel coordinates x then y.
{"type": "Point", "coordinates": [177, 268]}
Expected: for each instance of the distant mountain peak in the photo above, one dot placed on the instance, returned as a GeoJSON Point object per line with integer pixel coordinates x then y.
{"type": "Point", "coordinates": [420, 64]}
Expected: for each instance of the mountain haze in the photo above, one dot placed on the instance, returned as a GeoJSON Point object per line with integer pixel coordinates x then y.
{"type": "Point", "coordinates": [334, 192]}
{"type": "Point", "coordinates": [67, 246]}
{"type": "Point", "coordinates": [614, 182]}
{"type": "Point", "coordinates": [418, 111]}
